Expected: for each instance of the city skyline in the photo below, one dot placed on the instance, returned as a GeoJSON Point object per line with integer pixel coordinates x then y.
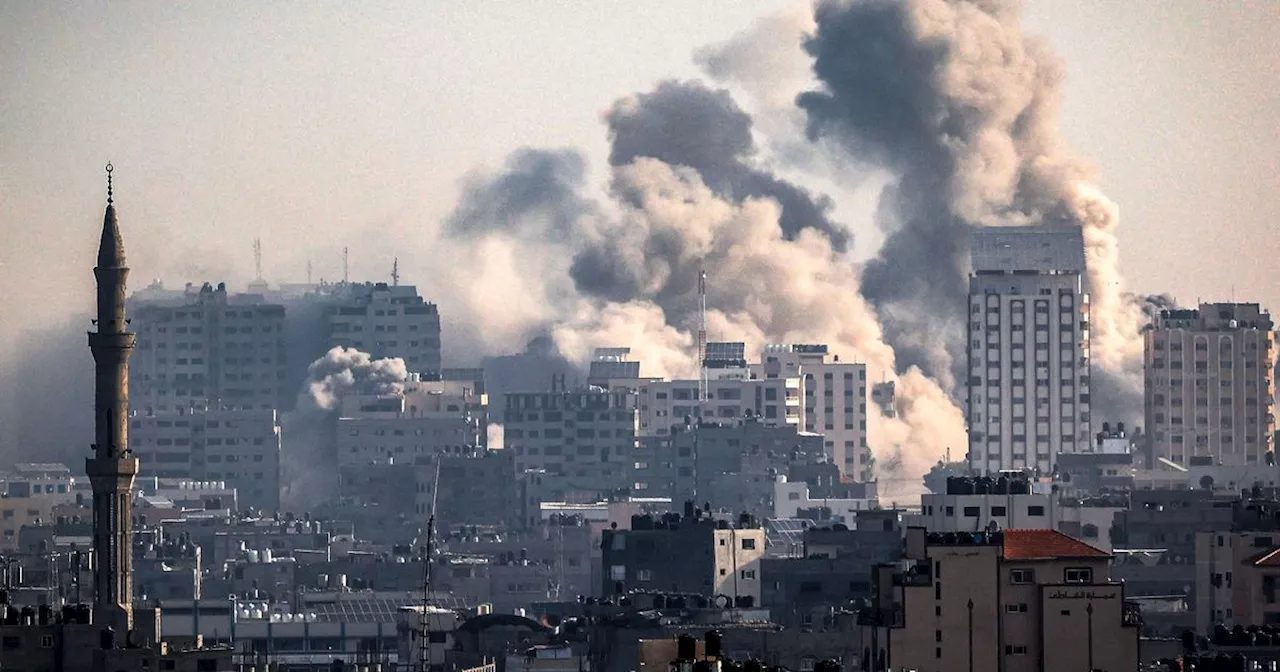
{"type": "Point", "coordinates": [208, 233]}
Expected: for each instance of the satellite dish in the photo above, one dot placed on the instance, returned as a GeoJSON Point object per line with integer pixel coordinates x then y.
{"type": "Point", "coordinates": [722, 601]}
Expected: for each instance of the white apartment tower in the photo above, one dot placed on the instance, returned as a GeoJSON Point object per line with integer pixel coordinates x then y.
{"type": "Point", "coordinates": [1209, 384]}
{"type": "Point", "coordinates": [389, 321]}
{"type": "Point", "coordinates": [833, 403]}
{"type": "Point", "coordinates": [1028, 351]}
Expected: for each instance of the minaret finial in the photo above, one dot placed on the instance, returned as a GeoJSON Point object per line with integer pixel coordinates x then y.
{"type": "Point", "coordinates": [109, 169]}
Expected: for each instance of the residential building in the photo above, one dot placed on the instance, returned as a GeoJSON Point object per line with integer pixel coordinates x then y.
{"type": "Point", "coordinates": [1013, 600]}
{"type": "Point", "coordinates": [388, 321]}
{"type": "Point", "coordinates": [1210, 385]}
{"type": "Point", "coordinates": [427, 419]}
{"type": "Point", "coordinates": [1236, 569]}
{"type": "Point", "coordinates": [667, 404]}
{"type": "Point", "coordinates": [583, 440]}
{"type": "Point", "coordinates": [834, 401]}
{"type": "Point", "coordinates": [831, 576]}
{"type": "Point", "coordinates": [690, 462]}
{"type": "Point", "coordinates": [1011, 501]}
{"type": "Point", "coordinates": [1028, 385]}
{"type": "Point", "coordinates": [692, 554]}
{"type": "Point", "coordinates": [208, 351]}
{"type": "Point", "coordinates": [792, 499]}
{"type": "Point", "coordinates": [238, 447]}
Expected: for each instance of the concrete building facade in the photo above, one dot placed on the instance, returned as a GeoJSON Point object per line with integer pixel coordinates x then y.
{"type": "Point", "coordinates": [1028, 351]}
{"type": "Point", "coordinates": [583, 440]}
{"type": "Point", "coordinates": [240, 447]}
{"type": "Point", "coordinates": [834, 401]}
{"type": "Point", "coordinates": [1210, 386]}
{"type": "Point", "coordinates": [1018, 600]}
{"type": "Point", "coordinates": [388, 321]}
{"type": "Point", "coordinates": [209, 352]}
{"type": "Point", "coordinates": [692, 554]}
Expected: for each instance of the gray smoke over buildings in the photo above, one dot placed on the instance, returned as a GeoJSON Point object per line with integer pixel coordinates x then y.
{"type": "Point", "coordinates": [308, 464]}
{"type": "Point", "coordinates": [689, 124]}
{"type": "Point", "coordinates": [961, 106]}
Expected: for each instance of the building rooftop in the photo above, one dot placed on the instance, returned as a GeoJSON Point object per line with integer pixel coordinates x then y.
{"type": "Point", "coordinates": [1046, 545]}
{"type": "Point", "coordinates": [1041, 249]}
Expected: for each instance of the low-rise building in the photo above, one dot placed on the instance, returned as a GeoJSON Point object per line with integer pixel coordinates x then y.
{"type": "Point", "coordinates": [692, 553]}
{"type": "Point", "coordinates": [1012, 600]}
{"type": "Point", "coordinates": [1011, 500]}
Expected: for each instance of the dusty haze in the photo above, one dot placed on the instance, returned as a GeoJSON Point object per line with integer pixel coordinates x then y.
{"type": "Point", "coordinates": [392, 132]}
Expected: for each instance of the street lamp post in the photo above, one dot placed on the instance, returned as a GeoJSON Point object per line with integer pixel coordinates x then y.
{"type": "Point", "coordinates": [970, 605]}
{"type": "Point", "coordinates": [1088, 610]}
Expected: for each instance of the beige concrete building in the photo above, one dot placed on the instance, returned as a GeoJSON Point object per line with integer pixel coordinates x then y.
{"type": "Point", "coordinates": [833, 403]}
{"type": "Point", "coordinates": [1236, 578]}
{"type": "Point", "coordinates": [583, 440]}
{"type": "Point", "coordinates": [1210, 388]}
{"type": "Point", "coordinates": [388, 321]}
{"type": "Point", "coordinates": [1028, 385]}
{"type": "Point", "coordinates": [1020, 600]}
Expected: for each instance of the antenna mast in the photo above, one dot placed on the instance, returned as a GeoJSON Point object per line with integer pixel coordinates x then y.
{"type": "Point", "coordinates": [308, 271]}
{"type": "Point", "coordinates": [702, 339]}
{"type": "Point", "coordinates": [346, 275]}
{"type": "Point", "coordinates": [257, 257]}
{"type": "Point", "coordinates": [395, 272]}
{"type": "Point", "coordinates": [424, 641]}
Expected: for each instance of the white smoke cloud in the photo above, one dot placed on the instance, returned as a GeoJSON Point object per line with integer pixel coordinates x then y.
{"type": "Point", "coordinates": [308, 435]}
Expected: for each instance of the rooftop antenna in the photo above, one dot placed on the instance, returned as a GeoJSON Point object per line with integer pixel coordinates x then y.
{"type": "Point", "coordinates": [424, 640]}
{"type": "Point", "coordinates": [257, 257]}
{"type": "Point", "coordinates": [346, 268]}
{"type": "Point", "coordinates": [702, 339]}
{"type": "Point", "coordinates": [395, 272]}
{"type": "Point", "coordinates": [308, 271]}
{"type": "Point", "coordinates": [110, 197]}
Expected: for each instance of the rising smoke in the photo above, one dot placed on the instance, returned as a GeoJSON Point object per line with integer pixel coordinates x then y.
{"type": "Point", "coordinates": [309, 432]}
{"type": "Point", "coordinates": [947, 96]}
{"type": "Point", "coordinates": [961, 106]}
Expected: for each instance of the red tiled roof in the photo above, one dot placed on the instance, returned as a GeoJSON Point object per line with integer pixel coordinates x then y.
{"type": "Point", "coordinates": [1269, 559]}
{"type": "Point", "coordinates": [1046, 545]}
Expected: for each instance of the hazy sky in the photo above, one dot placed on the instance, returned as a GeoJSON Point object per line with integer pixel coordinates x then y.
{"type": "Point", "coordinates": [317, 125]}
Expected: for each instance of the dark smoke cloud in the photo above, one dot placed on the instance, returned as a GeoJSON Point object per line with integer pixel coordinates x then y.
{"type": "Point", "coordinates": [957, 102]}
{"type": "Point", "coordinates": [688, 124]}
{"type": "Point", "coordinates": [535, 186]}
{"type": "Point", "coordinates": [53, 394]}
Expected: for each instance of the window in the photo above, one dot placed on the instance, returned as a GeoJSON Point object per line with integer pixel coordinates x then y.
{"type": "Point", "coordinates": [998, 511]}
{"type": "Point", "coordinates": [748, 544]}
{"type": "Point", "coordinates": [1035, 510]}
{"type": "Point", "coordinates": [1015, 608]}
{"type": "Point", "coordinates": [1022, 576]}
{"type": "Point", "coordinates": [748, 574]}
{"type": "Point", "coordinates": [971, 511]}
{"type": "Point", "coordinates": [1015, 650]}
{"type": "Point", "coordinates": [644, 575]}
{"type": "Point", "coordinates": [1079, 575]}
{"type": "Point", "coordinates": [618, 573]}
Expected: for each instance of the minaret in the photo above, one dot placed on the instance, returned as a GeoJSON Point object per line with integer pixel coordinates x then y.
{"type": "Point", "coordinates": [112, 468]}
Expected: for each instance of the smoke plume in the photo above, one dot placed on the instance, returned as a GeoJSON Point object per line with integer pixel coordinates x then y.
{"type": "Point", "coordinates": [309, 471]}
{"type": "Point", "coordinates": [956, 101]}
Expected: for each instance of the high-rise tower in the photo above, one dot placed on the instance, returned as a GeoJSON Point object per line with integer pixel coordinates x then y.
{"type": "Point", "coordinates": [112, 468]}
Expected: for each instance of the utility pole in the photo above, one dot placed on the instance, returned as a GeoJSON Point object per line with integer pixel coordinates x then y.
{"type": "Point", "coordinates": [346, 268]}
{"type": "Point", "coordinates": [424, 642]}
